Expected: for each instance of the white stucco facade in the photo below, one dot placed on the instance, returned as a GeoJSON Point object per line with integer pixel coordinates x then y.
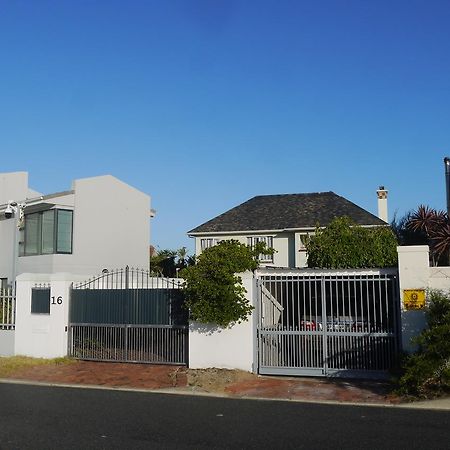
{"type": "Point", "coordinates": [12, 186]}
{"type": "Point", "coordinates": [415, 273]}
{"type": "Point", "coordinates": [42, 335]}
{"type": "Point", "coordinates": [289, 251]}
{"type": "Point", "coordinates": [110, 226]}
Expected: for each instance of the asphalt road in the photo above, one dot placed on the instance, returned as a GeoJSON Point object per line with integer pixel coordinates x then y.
{"type": "Point", "coordinates": [37, 417]}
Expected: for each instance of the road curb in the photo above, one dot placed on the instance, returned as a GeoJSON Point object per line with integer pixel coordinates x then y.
{"type": "Point", "coordinates": [194, 393]}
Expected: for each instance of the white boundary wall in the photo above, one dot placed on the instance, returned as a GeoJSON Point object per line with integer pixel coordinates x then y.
{"type": "Point", "coordinates": [7, 342]}
{"type": "Point", "coordinates": [43, 335]}
{"type": "Point", "coordinates": [46, 335]}
{"type": "Point", "coordinates": [415, 273]}
{"type": "Point", "coordinates": [228, 348]}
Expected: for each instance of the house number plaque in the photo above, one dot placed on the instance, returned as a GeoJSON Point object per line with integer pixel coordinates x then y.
{"type": "Point", "coordinates": [57, 300]}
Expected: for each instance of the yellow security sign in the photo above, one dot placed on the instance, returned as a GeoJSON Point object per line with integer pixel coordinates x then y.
{"type": "Point", "coordinates": [414, 298]}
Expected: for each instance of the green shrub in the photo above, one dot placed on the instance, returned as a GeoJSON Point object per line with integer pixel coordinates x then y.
{"type": "Point", "coordinates": [427, 372]}
{"type": "Point", "coordinates": [214, 291]}
{"type": "Point", "coordinates": [345, 245]}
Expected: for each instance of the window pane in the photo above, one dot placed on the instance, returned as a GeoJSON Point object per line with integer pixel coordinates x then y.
{"type": "Point", "coordinates": [64, 232]}
{"type": "Point", "coordinates": [32, 234]}
{"type": "Point", "coordinates": [207, 243]}
{"type": "Point", "coordinates": [48, 231]}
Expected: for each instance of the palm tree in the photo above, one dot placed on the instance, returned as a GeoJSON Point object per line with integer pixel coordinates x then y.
{"type": "Point", "coordinates": [433, 227]}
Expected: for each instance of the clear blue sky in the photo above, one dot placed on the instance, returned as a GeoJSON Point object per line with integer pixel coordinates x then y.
{"type": "Point", "coordinates": [204, 104]}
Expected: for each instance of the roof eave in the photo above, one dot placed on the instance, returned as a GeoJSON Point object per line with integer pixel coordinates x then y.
{"type": "Point", "coordinates": [280, 230]}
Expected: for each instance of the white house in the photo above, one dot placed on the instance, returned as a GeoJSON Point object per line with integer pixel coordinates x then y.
{"type": "Point", "coordinates": [282, 222]}
{"type": "Point", "coordinates": [98, 223]}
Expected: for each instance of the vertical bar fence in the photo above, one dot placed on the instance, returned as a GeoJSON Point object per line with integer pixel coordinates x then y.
{"type": "Point", "coordinates": [7, 309]}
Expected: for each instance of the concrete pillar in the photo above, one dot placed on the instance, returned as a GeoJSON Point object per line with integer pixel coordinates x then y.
{"type": "Point", "coordinates": [414, 270]}
{"type": "Point", "coordinates": [42, 335]}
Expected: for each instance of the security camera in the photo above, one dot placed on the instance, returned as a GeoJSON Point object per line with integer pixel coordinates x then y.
{"type": "Point", "coordinates": [9, 212]}
{"type": "Point", "coordinates": [10, 209]}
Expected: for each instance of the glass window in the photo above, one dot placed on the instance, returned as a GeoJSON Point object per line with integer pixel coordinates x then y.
{"type": "Point", "coordinates": [48, 231]}
{"type": "Point", "coordinates": [32, 234]}
{"type": "Point", "coordinates": [207, 243]}
{"type": "Point", "coordinates": [268, 240]}
{"type": "Point", "coordinates": [3, 283]}
{"type": "Point", "coordinates": [64, 234]}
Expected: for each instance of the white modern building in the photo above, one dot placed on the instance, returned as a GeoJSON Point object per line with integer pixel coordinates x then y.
{"type": "Point", "coordinates": [99, 223]}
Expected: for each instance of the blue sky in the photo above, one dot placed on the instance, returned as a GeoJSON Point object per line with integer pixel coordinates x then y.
{"type": "Point", "coordinates": [203, 104]}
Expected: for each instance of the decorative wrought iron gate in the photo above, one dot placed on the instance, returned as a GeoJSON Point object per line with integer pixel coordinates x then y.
{"type": "Point", "coordinates": [328, 324]}
{"type": "Point", "coordinates": [128, 316]}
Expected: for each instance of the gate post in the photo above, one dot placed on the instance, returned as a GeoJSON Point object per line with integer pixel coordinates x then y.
{"type": "Point", "coordinates": [414, 272]}
{"type": "Point", "coordinates": [69, 322]}
{"type": "Point", "coordinates": [256, 301]}
{"type": "Point", "coordinates": [42, 334]}
{"type": "Point", "coordinates": [324, 325]}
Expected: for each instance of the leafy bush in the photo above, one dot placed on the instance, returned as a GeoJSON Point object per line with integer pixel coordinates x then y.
{"type": "Point", "coordinates": [427, 372]}
{"type": "Point", "coordinates": [214, 291]}
{"type": "Point", "coordinates": [345, 245]}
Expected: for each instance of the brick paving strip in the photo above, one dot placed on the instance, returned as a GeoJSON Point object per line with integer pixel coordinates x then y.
{"type": "Point", "coordinates": [176, 378]}
{"type": "Point", "coordinates": [139, 376]}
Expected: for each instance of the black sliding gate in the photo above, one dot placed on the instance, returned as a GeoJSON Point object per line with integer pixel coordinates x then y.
{"type": "Point", "coordinates": [128, 316]}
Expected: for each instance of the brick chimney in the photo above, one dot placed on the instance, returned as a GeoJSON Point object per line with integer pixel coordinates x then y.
{"type": "Point", "coordinates": [382, 194]}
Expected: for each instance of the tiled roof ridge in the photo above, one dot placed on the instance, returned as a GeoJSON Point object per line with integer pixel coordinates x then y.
{"type": "Point", "coordinates": [293, 194]}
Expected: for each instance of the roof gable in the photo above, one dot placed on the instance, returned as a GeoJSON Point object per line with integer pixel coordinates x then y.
{"type": "Point", "coordinates": [287, 211]}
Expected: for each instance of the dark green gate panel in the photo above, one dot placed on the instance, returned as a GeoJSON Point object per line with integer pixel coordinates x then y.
{"type": "Point", "coordinates": [128, 306]}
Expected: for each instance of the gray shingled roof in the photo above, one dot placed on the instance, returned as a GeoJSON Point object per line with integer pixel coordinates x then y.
{"type": "Point", "coordinates": [287, 211]}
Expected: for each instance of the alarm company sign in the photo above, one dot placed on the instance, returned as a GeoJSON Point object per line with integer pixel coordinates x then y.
{"type": "Point", "coordinates": [414, 299]}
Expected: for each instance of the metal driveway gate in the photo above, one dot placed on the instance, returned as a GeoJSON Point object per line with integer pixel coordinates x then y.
{"type": "Point", "coordinates": [128, 316]}
{"type": "Point", "coordinates": [328, 324]}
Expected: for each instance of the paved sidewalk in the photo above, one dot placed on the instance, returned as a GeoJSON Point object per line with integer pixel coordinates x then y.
{"type": "Point", "coordinates": [218, 382]}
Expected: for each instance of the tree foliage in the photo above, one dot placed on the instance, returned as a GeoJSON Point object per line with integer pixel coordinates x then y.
{"type": "Point", "coordinates": [166, 263]}
{"type": "Point", "coordinates": [343, 244]}
{"type": "Point", "coordinates": [214, 290]}
{"type": "Point", "coordinates": [427, 372]}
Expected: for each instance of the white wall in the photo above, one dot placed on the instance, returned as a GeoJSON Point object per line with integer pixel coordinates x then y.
{"type": "Point", "coordinates": [43, 335]}
{"type": "Point", "coordinates": [7, 342]}
{"type": "Point", "coordinates": [414, 273]}
{"type": "Point", "coordinates": [7, 257]}
{"type": "Point", "coordinates": [229, 348]}
{"type": "Point", "coordinates": [111, 225]}
{"type": "Point", "coordinates": [281, 245]}
{"type": "Point", "coordinates": [301, 257]}
{"type": "Point", "coordinates": [439, 278]}
{"type": "Point", "coordinates": [13, 186]}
